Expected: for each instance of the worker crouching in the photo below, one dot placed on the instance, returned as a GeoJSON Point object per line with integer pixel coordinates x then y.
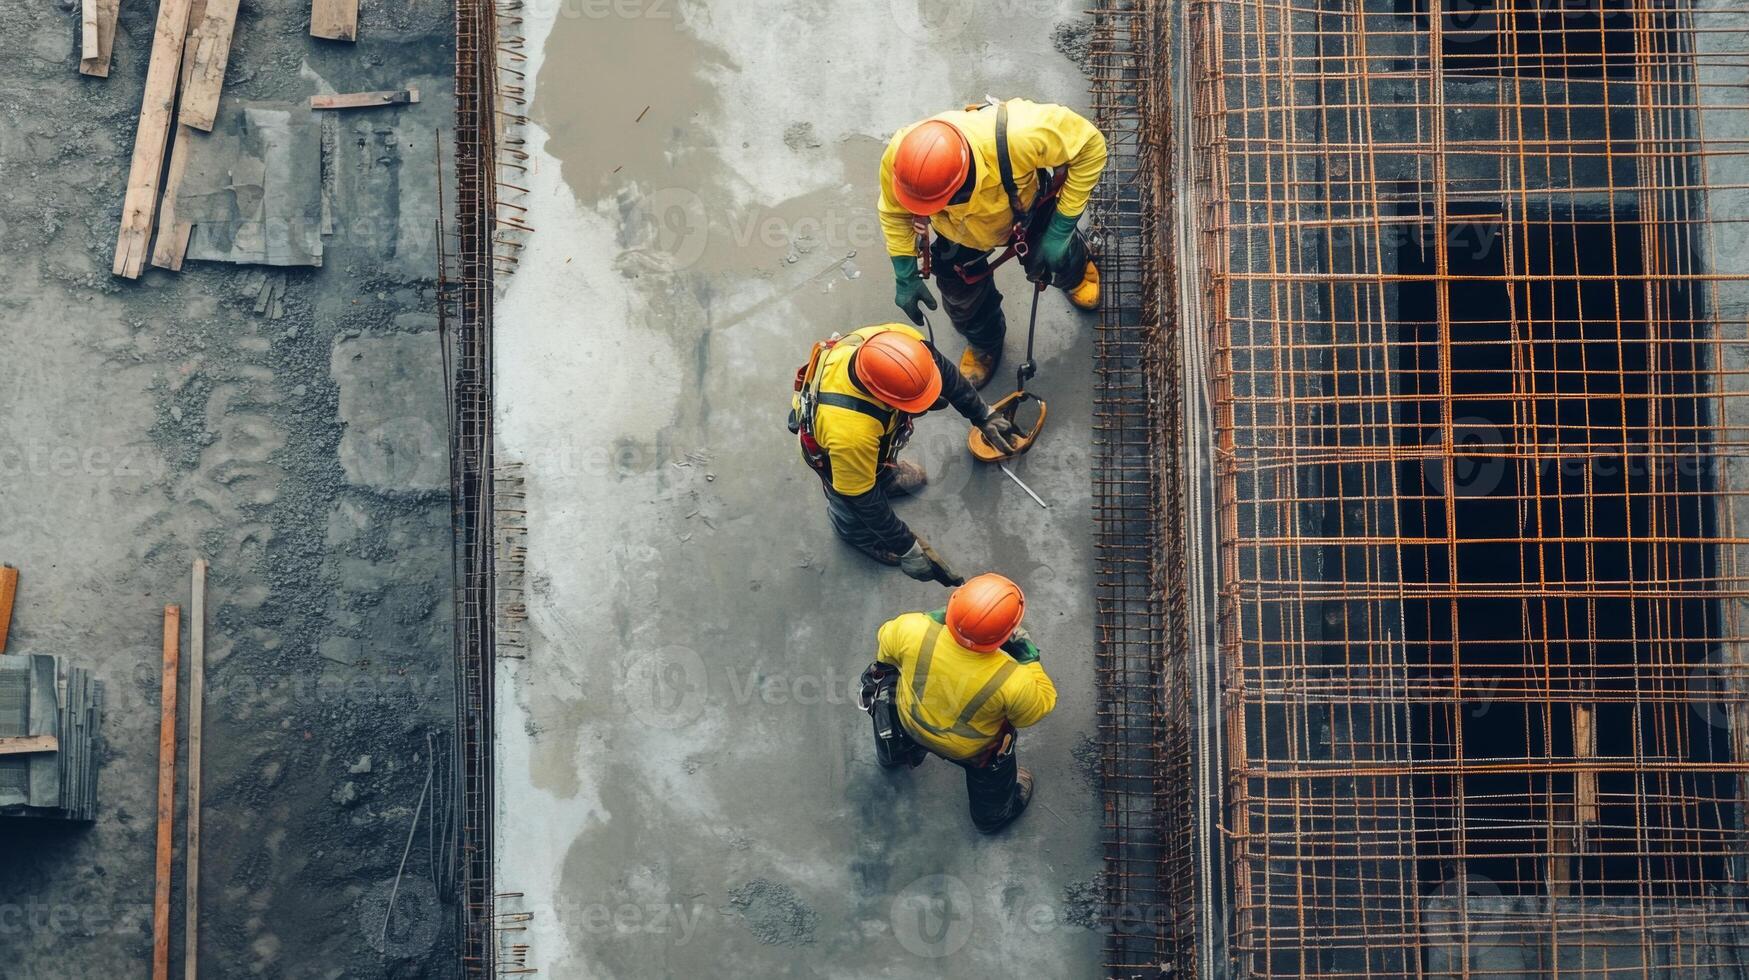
{"type": "Point", "coordinates": [1013, 174]}
{"type": "Point", "coordinates": [958, 683]}
{"type": "Point", "coordinates": [852, 411]}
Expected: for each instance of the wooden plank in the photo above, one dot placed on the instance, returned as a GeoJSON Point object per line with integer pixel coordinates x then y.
{"type": "Point", "coordinates": [196, 701]}
{"type": "Point", "coordinates": [151, 140]}
{"type": "Point", "coordinates": [364, 100]}
{"type": "Point", "coordinates": [208, 52]}
{"type": "Point", "coordinates": [166, 790]}
{"type": "Point", "coordinates": [108, 12]}
{"type": "Point", "coordinates": [336, 20]}
{"type": "Point", "coordinates": [1585, 799]}
{"type": "Point", "coordinates": [173, 234]}
{"type": "Point", "coordinates": [29, 744]}
{"type": "Point", "coordinates": [88, 30]}
{"type": "Point", "coordinates": [8, 593]}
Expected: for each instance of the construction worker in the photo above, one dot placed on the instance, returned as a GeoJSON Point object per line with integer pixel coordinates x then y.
{"type": "Point", "coordinates": [962, 680]}
{"type": "Point", "coordinates": [983, 179]}
{"type": "Point", "coordinates": [853, 409]}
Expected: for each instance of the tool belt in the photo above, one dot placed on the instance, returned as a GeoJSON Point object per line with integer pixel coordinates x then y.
{"type": "Point", "coordinates": [1050, 186]}
{"type": "Point", "coordinates": [894, 746]}
{"type": "Point", "coordinates": [879, 696]}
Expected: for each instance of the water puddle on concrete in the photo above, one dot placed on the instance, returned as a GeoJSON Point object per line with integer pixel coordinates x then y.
{"type": "Point", "coordinates": [621, 92]}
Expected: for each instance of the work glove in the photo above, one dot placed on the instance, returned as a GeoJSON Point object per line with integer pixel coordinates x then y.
{"type": "Point", "coordinates": [999, 431]}
{"type": "Point", "coordinates": [1053, 248]}
{"type": "Point", "coordinates": [924, 565]}
{"type": "Point", "coordinates": [1021, 647]}
{"type": "Point", "coordinates": [911, 293]}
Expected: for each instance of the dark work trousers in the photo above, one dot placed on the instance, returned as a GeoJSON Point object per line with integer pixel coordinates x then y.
{"type": "Point", "coordinates": [859, 533]}
{"type": "Point", "coordinates": [993, 789]}
{"type": "Point", "coordinates": [975, 308]}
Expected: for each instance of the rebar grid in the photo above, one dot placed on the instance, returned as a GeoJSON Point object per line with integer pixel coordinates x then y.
{"type": "Point", "coordinates": [1473, 279]}
{"type": "Point", "coordinates": [467, 296]}
{"type": "Point", "coordinates": [1144, 704]}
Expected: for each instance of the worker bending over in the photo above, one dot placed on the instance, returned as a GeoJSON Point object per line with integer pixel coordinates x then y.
{"type": "Point", "coordinates": [963, 679]}
{"type": "Point", "coordinates": [853, 410]}
{"type": "Point", "coordinates": [983, 179]}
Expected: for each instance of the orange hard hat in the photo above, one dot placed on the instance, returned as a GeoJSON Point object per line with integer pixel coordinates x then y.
{"type": "Point", "coordinates": [983, 613]}
{"type": "Point", "coordinates": [930, 166]}
{"type": "Point", "coordinates": [899, 370]}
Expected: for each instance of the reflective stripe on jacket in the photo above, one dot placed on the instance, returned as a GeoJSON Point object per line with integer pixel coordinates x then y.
{"type": "Point", "coordinates": [1040, 136]}
{"type": "Point", "coordinates": [953, 700]}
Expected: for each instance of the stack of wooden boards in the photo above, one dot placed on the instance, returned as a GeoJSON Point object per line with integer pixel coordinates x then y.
{"type": "Point", "coordinates": [191, 47]}
{"type": "Point", "coordinates": [50, 712]}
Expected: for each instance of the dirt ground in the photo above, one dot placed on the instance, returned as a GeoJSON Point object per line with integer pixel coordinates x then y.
{"type": "Point", "coordinates": [150, 422]}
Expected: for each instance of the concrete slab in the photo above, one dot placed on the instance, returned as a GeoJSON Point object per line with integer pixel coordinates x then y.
{"type": "Point", "coordinates": [685, 786]}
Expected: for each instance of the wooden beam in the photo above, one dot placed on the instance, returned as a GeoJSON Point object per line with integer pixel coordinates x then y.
{"type": "Point", "coordinates": [196, 701]}
{"type": "Point", "coordinates": [152, 139]}
{"type": "Point", "coordinates": [173, 232]}
{"type": "Point", "coordinates": [88, 30]}
{"type": "Point", "coordinates": [208, 52]}
{"type": "Point", "coordinates": [336, 20]}
{"type": "Point", "coordinates": [108, 12]}
{"type": "Point", "coordinates": [8, 593]}
{"type": "Point", "coordinates": [166, 790]}
{"type": "Point", "coordinates": [29, 744]}
{"type": "Point", "coordinates": [364, 100]}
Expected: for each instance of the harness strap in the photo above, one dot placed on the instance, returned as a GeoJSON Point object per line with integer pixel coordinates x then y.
{"type": "Point", "coordinates": [854, 404]}
{"type": "Point", "coordinates": [920, 681]}
{"type": "Point", "coordinates": [1005, 164]}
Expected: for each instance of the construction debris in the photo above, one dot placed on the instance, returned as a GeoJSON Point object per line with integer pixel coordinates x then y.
{"type": "Point", "coordinates": [8, 593]}
{"type": "Point", "coordinates": [207, 53]}
{"type": "Point", "coordinates": [252, 190]}
{"type": "Point", "coordinates": [172, 241]}
{"type": "Point", "coordinates": [166, 794]}
{"type": "Point", "coordinates": [102, 16]}
{"type": "Point", "coordinates": [49, 715]}
{"type": "Point", "coordinates": [196, 705]}
{"type": "Point", "coordinates": [336, 20]}
{"type": "Point", "coordinates": [151, 140]}
{"type": "Point", "coordinates": [365, 100]}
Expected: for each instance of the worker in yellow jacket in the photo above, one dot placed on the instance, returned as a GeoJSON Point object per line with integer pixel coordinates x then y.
{"type": "Point", "coordinates": [963, 679]}
{"type": "Point", "coordinates": [982, 179]}
{"type": "Point", "coordinates": [852, 412]}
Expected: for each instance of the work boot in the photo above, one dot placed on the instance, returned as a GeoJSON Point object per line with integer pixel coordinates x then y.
{"type": "Point", "coordinates": [1086, 295]}
{"type": "Point", "coordinates": [907, 478]}
{"type": "Point", "coordinates": [977, 366]}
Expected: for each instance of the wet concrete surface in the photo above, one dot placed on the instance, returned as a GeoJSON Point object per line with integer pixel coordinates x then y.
{"type": "Point", "coordinates": [150, 422]}
{"type": "Point", "coordinates": [685, 785]}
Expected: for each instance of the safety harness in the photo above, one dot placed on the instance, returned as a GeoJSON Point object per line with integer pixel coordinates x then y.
{"type": "Point", "coordinates": [801, 420]}
{"type": "Point", "coordinates": [1017, 243]}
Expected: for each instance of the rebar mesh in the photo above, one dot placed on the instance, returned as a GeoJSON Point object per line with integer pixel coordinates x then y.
{"type": "Point", "coordinates": [467, 284]}
{"type": "Point", "coordinates": [1473, 284]}
{"type": "Point", "coordinates": [1144, 705]}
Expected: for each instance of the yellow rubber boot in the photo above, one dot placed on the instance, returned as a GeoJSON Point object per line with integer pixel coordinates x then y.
{"type": "Point", "coordinates": [978, 366]}
{"type": "Point", "coordinates": [1086, 295]}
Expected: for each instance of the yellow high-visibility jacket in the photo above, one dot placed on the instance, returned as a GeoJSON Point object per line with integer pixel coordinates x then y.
{"type": "Point", "coordinates": [953, 701]}
{"type": "Point", "coordinates": [1040, 135]}
{"type": "Point", "coordinates": [855, 439]}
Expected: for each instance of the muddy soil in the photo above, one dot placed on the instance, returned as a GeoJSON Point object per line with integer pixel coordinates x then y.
{"type": "Point", "coordinates": [150, 422]}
